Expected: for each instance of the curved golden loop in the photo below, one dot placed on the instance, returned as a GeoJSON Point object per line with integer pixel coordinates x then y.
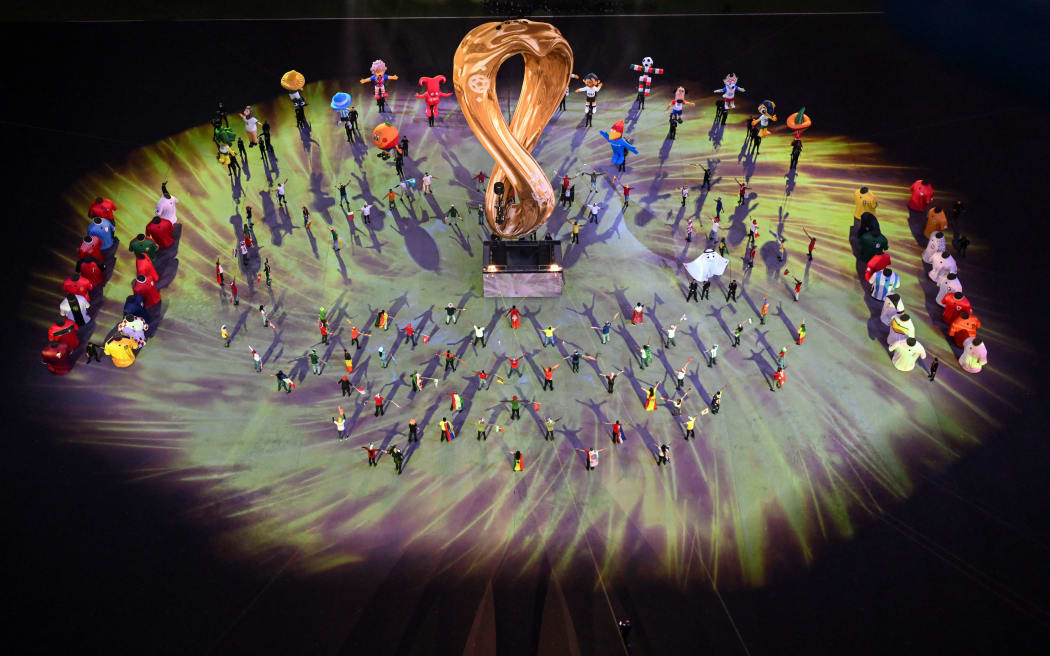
{"type": "Point", "coordinates": [548, 64]}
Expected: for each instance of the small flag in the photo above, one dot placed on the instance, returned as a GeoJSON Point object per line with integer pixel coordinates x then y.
{"type": "Point", "coordinates": [786, 272]}
{"type": "Point", "coordinates": [258, 277]}
{"type": "Point", "coordinates": [499, 380]}
{"type": "Point", "coordinates": [457, 401]}
{"type": "Point", "coordinates": [536, 406]}
{"type": "Point", "coordinates": [426, 339]}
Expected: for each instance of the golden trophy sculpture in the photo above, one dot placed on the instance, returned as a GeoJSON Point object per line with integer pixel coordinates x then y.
{"type": "Point", "coordinates": [548, 65]}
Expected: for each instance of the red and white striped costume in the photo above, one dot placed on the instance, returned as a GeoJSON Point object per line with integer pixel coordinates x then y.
{"type": "Point", "coordinates": [645, 80]}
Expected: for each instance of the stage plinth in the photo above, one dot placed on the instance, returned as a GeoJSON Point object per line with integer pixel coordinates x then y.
{"type": "Point", "coordinates": [522, 268]}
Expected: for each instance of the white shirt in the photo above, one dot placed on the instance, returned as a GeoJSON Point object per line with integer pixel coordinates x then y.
{"type": "Point", "coordinates": [714, 351]}
{"type": "Point", "coordinates": [427, 179]}
{"type": "Point", "coordinates": [340, 422]}
{"type": "Point", "coordinates": [64, 308]}
{"type": "Point", "coordinates": [280, 189]}
{"type": "Point", "coordinates": [250, 124]}
{"type": "Point", "coordinates": [366, 209]}
{"type": "Point", "coordinates": [590, 91]}
{"type": "Point", "coordinates": [670, 332]}
{"type": "Point", "coordinates": [685, 191]}
{"type": "Point", "coordinates": [166, 209]}
{"type": "Point", "coordinates": [479, 331]}
{"type": "Point", "coordinates": [594, 207]}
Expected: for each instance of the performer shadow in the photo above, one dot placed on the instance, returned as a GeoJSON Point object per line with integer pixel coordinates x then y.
{"type": "Point", "coordinates": [791, 328]}
{"type": "Point", "coordinates": [761, 340]}
{"type": "Point", "coordinates": [789, 185]}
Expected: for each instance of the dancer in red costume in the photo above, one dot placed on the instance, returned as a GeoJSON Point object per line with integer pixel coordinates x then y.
{"type": "Point", "coordinates": [56, 355]}
{"type": "Point", "coordinates": [878, 262]}
{"type": "Point", "coordinates": [91, 269]}
{"type": "Point", "coordinates": [90, 247]}
{"type": "Point", "coordinates": [954, 305]}
{"type": "Point", "coordinates": [515, 317]}
{"type": "Point", "coordinates": [921, 196]}
{"type": "Point", "coordinates": [77, 284]}
{"type": "Point", "coordinates": [161, 231]}
{"type": "Point", "coordinates": [64, 330]}
{"type": "Point", "coordinates": [144, 267]}
{"type": "Point", "coordinates": [103, 208]}
{"type": "Point", "coordinates": [433, 95]}
{"type": "Point", "coordinates": [147, 290]}
{"type": "Point", "coordinates": [638, 315]}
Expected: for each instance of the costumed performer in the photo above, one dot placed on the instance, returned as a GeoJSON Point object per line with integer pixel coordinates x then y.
{"type": "Point", "coordinates": [921, 196]}
{"type": "Point", "coordinates": [892, 305]}
{"type": "Point", "coordinates": [883, 283]}
{"type": "Point", "coordinates": [949, 284]}
{"type": "Point", "coordinates": [906, 353]}
{"type": "Point", "coordinates": [619, 145]}
{"type": "Point", "coordinates": [936, 220]}
{"type": "Point", "coordinates": [122, 351]}
{"type": "Point", "coordinates": [58, 358]}
{"type": "Point", "coordinates": [974, 355]}
{"type": "Point", "coordinates": [937, 244]}
{"type": "Point", "coordinates": [432, 96]}
{"type": "Point", "coordinates": [901, 327]}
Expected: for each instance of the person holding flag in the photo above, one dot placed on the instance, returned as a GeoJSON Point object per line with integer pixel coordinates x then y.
{"type": "Point", "coordinates": [447, 432]}
{"type": "Point", "coordinates": [679, 381]}
{"type": "Point", "coordinates": [515, 316]}
{"type": "Point", "coordinates": [650, 400]}
{"type": "Point", "coordinates": [457, 402]}
{"type": "Point", "coordinates": [690, 424]}
{"type": "Point", "coordinates": [340, 425]}
{"type": "Point", "coordinates": [676, 404]}
{"type": "Point", "coordinates": [356, 334]}
{"type": "Point", "coordinates": [591, 456]}
{"type": "Point", "coordinates": [256, 359]}
{"type": "Point", "coordinates": [519, 462]}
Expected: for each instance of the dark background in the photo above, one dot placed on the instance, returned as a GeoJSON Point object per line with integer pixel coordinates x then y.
{"type": "Point", "coordinates": [961, 567]}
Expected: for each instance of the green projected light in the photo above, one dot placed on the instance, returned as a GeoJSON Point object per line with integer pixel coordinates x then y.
{"type": "Point", "coordinates": [766, 486]}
